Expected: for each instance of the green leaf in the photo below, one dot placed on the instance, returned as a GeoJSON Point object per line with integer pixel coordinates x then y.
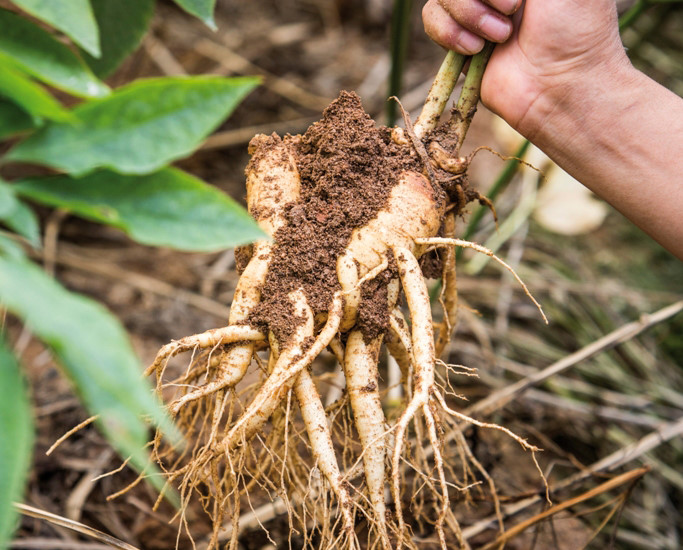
{"type": "Point", "coordinates": [139, 128]}
{"type": "Point", "coordinates": [23, 220]}
{"type": "Point", "coordinates": [73, 17]}
{"type": "Point", "coordinates": [18, 216]}
{"type": "Point", "coordinates": [203, 9]}
{"type": "Point", "coordinates": [93, 349]}
{"type": "Point", "coordinates": [166, 208]}
{"type": "Point", "coordinates": [10, 248]}
{"type": "Point", "coordinates": [30, 96]}
{"type": "Point", "coordinates": [16, 431]}
{"type": "Point", "coordinates": [122, 25]}
{"type": "Point", "coordinates": [13, 119]}
{"type": "Point", "coordinates": [39, 54]}
{"type": "Point", "coordinates": [8, 201]}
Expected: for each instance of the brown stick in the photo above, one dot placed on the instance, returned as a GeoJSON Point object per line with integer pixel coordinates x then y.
{"type": "Point", "coordinates": [628, 477]}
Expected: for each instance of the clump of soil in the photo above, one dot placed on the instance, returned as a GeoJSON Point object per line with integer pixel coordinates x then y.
{"type": "Point", "coordinates": [348, 166]}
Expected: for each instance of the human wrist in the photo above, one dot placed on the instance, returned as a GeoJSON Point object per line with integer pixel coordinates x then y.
{"type": "Point", "coordinates": [570, 104]}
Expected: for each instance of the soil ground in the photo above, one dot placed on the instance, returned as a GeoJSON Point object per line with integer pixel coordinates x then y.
{"type": "Point", "coordinates": [309, 50]}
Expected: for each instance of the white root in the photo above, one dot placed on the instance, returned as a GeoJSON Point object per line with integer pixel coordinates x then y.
{"type": "Point", "coordinates": [292, 360]}
{"type": "Point", "coordinates": [271, 184]}
{"type": "Point", "coordinates": [440, 241]}
{"type": "Point", "coordinates": [403, 228]}
{"type": "Point", "coordinates": [417, 297]}
{"type": "Point", "coordinates": [209, 339]}
{"type": "Point", "coordinates": [251, 421]}
{"type": "Point", "coordinates": [319, 435]}
{"type": "Point", "coordinates": [362, 386]}
{"type": "Point", "coordinates": [235, 362]}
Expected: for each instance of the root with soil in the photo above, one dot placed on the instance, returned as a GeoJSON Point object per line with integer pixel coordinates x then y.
{"type": "Point", "coordinates": [357, 214]}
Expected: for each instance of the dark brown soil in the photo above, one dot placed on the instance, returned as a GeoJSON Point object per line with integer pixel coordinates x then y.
{"type": "Point", "coordinates": [348, 166]}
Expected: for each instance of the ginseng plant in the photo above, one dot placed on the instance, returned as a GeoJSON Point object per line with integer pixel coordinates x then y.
{"type": "Point", "coordinates": [359, 215]}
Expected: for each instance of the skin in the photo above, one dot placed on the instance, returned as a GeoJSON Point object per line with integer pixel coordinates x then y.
{"type": "Point", "coordinates": [562, 79]}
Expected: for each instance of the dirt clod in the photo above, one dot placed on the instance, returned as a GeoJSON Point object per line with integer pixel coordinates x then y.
{"type": "Point", "coordinates": [348, 166]}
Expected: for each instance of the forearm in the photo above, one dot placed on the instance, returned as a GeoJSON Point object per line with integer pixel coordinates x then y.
{"type": "Point", "coordinates": [621, 135]}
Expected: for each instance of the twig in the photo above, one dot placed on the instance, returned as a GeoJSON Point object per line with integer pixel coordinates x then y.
{"type": "Point", "coordinates": [73, 525]}
{"type": "Point", "coordinates": [234, 62]}
{"type": "Point", "coordinates": [41, 543]}
{"type": "Point", "coordinates": [162, 56]}
{"type": "Point", "coordinates": [609, 463]}
{"type": "Point", "coordinates": [628, 477]}
{"type": "Point", "coordinates": [502, 397]}
{"type": "Point", "coordinates": [51, 239]}
{"type": "Point", "coordinates": [74, 503]}
{"type": "Point", "coordinates": [143, 282]}
{"type": "Point", "coordinates": [240, 136]}
{"type": "Point", "coordinates": [614, 414]}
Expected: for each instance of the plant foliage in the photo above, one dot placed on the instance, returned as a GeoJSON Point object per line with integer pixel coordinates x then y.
{"type": "Point", "coordinates": [111, 149]}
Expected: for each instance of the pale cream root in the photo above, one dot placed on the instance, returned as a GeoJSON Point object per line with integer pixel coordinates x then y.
{"type": "Point", "coordinates": [320, 438]}
{"type": "Point", "coordinates": [417, 297]}
{"type": "Point", "coordinates": [209, 339]}
{"type": "Point", "coordinates": [292, 360]}
{"type": "Point", "coordinates": [449, 290]}
{"type": "Point", "coordinates": [362, 386]}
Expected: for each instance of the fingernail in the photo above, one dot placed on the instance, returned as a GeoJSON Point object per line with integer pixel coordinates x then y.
{"type": "Point", "coordinates": [470, 43]}
{"type": "Point", "coordinates": [495, 28]}
{"type": "Point", "coordinates": [507, 6]}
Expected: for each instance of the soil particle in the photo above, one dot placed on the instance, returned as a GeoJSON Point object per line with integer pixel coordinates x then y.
{"type": "Point", "coordinates": [431, 265]}
{"type": "Point", "coordinates": [372, 386]}
{"type": "Point", "coordinates": [373, 313]}
{"type": "Point", "coordinates": [242, 256]}
{"type": "Point", "coordinates": [348, 167]}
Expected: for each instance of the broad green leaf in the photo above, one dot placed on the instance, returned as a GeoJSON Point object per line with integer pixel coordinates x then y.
{"type": "Point", "coordinates": [10, 249]}
{"type": "Point", "coordinates": [139, 128]}
{"type": "Point", "coordinates": [203, 9]}
{"type": "Point", "coordinates": [166, 208]}
{"type": "Point", "coordinates": [13, 119]}
{"type": "Point", "coordinates": [122, 25]}
{"type": "Point", "coordinates": [16, 443]}
{"type": "Point", "coordinates": [8, 200]}
{"type": "Point", "coordinates": [93, 349]}
{"type": "Point", "coordinates": [39, 54]}
{"type": "Point", "coordinates": [30, 96]}
{"type": "Point", "coordinates": [23, 221]}
{"type": "Point", "coordinates": [18, 216]}
{"type": "Point", "coordinates": [73, 17]}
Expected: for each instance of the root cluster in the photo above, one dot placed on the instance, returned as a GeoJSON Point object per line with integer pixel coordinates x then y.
{"type": "Point", "coordinates": [358, 215]}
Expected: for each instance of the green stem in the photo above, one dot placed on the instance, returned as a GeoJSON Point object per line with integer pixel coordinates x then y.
{"type": "Point", "coordinates": [469, 96]}
{"type": "Point", "coordinates": [439, 93]}
{"type": "Point", "coordinates": [504, 178]}
{"type": "Point", "coordinates": [632, 14]}
{"type": "Point", "coordinates": [400, 32]}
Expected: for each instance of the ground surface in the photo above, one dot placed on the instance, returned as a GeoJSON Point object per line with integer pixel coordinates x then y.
{"type": "Point", "coordinates": [589, 284]}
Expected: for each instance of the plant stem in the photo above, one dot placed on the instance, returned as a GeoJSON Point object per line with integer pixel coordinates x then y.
{"type": "Point", "coordinates": [630, 15]}
{"type": "Point", "coordinates": [400, 32]}
{"type": "Point", "coordinates": [439, 93]}
{"type": "Point", "coordinates": [469, 96]}
{"type": "Point", "coordinates": [504, 178]}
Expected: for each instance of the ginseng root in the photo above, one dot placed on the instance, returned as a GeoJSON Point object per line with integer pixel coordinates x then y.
{"type": "Point", "coordinates": [353, 210]}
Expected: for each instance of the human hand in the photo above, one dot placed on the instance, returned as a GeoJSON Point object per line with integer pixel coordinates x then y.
{"type": "Point", "coordinates": [552, 51]}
